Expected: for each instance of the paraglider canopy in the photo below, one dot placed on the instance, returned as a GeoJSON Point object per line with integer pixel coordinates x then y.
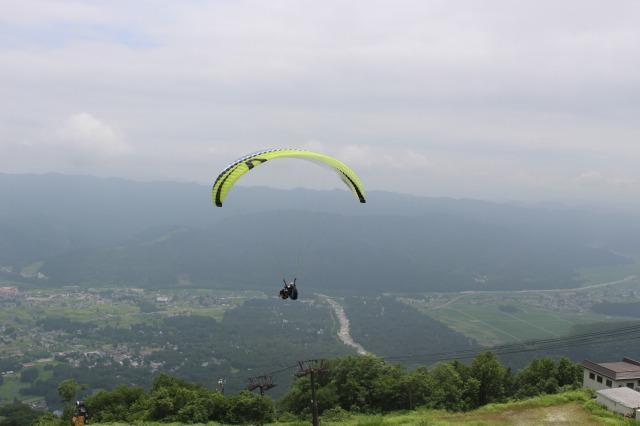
{"type": "Point", "coordinates": [235, 170]}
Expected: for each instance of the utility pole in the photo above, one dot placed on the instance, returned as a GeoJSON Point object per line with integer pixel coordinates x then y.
{"type": "Point", "coordinates": [312, 368]}
{"type": "Point", "coordinates": [264, 383]}
{"type": "Point", "coordinates": [221, 382]}
{"type": "Point", "coordinates": [410, 397]}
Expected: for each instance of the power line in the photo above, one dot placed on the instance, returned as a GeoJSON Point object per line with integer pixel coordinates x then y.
{"type": "Point", "coordinates": [522, 349]}
{"type": "Point", "coordinates": [556, 343]}
{"type": "Point", "coordinates": [274, 372]}
{"type": "Point", "coordinates": [531, 345]}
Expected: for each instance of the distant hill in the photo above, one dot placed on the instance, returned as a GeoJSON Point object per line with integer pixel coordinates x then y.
{"type": "Point", "coordinates": [92, 231]}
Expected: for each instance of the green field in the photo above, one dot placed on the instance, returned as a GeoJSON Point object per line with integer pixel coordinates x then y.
{"type": "Point", "coordinates": [493, 318]}
{"type": "Point", "coordinates": [499, 317]}
{"type": "Point", "coordinates": [610, 273]}
{"type": "Point", "coordinates": [489, 325]}
{"type": "Point", "coordinates": [10, 388]}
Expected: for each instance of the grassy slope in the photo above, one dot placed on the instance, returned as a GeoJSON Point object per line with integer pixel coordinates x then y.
{"type": "Point", "coordinates": [569, 408]}
{"type": "Point", "coordinates": [491, 326]}
{"type": "Point", "coordinates": [478, 315]}
{"type": "Point", "coordinates": [10, 388]}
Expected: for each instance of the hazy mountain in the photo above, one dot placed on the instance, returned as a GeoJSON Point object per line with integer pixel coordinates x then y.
{"type": "Point", "coordinates": [96, 231]}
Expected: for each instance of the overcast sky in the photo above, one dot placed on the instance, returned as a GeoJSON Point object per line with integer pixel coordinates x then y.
{"type": "Point", "coordinates": [505, 100]}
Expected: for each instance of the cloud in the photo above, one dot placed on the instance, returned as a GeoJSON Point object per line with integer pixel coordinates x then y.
{"type": "Point", "coordinates": [482, 98]}
{"type": "Point", "coordinates": [368, 157]}
{"type": "Point", "coordinates": [590, 178]}
{"type": "Point", "coordinates": [596, 178]}
{"type": "Point", "coordinates": [37, 12]}
{"type": "Point", "coordinates": [82, 137]}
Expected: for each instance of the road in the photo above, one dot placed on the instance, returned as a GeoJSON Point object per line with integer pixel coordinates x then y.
{"type": "Point", "coordinates": [556, 290]}
{"type": "Point", "coordinates": [462, 294]}
{"type": "Point", "coordinates": [343, 332]}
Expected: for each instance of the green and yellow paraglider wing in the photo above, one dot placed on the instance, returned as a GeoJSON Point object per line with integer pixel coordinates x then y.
{"type": "Point", "coordinates": [235, 170]}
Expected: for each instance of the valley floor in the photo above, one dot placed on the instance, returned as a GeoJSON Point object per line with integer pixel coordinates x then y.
{"type": "Point", "coordinates": [504, 317]}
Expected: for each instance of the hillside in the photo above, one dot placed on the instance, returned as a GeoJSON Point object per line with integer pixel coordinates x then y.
{"type": "Point", "coordinates": [60, 230]}
{"type": "Point", "coordinates": [569, 408]}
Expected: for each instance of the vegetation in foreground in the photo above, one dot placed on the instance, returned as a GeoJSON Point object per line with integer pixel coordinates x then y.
{"type": "Point", "coordinates": [351, 386]}
{"type": "Point", "coordinates": [571, 408]}
{"type": "Point", "coordinates": [574, 407]}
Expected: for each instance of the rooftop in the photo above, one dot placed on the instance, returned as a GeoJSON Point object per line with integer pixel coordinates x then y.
{"type": "Point", "coordinates": [624, 395]}
{"type": "Point", "coordinates": [620, 367]}
{"type": "Point", "coordinates": [627, 369]}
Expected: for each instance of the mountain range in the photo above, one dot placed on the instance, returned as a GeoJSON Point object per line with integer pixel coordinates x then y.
{"type": "Point", "coordinates": [80, 230]}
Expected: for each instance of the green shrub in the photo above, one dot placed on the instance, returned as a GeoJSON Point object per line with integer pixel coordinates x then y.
{"type": "Point", "coordinates": [335, 414]}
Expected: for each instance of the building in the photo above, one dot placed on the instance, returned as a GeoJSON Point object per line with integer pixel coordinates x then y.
{"type": "Point", "coordinates": [7, 292]}
{"type": "Point", "coordinates": [620, 400]}
{"type": "Point", "coordinates": [625, 373]}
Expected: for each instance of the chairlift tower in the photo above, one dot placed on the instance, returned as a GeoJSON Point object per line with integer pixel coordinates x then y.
{"type": "Point", "coordinates": [264, 383]}
{"type": "Point", "coordinates": [221, 383]}
{"type": "Point", "coordinates": [312, 368]}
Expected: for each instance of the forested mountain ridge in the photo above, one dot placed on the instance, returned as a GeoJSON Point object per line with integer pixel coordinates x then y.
{"type": "Point", "coordinates": [92, 231]}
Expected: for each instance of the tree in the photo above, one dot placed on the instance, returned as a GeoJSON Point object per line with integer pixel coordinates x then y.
{"type": "Point", "coordinates": [448, 388]}
{"type": "Point", "coordinates": [492, 377]}
{"type": "Point", "coordinates": [68, 389]}
{"type": "Point", "coordinates": [569, 373]}
{"type": "Point", "coordinates": [18, 414]}
{"type": "Point", "coordinates": [365, 383]}
{"type": "Point", "coordinates": [29, 375]}
{"type": "Point", "coordinates": [297, 399]}
{"type": "Point", "coordinates": [247, 407]}
{"type": "Point", "coordinates": [415, 388]}
{"type": "Point", "coordinates": [193, 412]}
{"type": "Point", "coordinates": [540, 376]}
{"type": "Point", "coordinates": [173, 400]}
{"type": "Point", "coordinates": [116, 405]}
{"type": "Point", "coordinates": [470, 387]}
{"type": "Point", "coordinates": [217, 406]}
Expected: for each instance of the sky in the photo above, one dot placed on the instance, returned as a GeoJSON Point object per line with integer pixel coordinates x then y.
{"type": "Point", "coordinates": [526, 100]}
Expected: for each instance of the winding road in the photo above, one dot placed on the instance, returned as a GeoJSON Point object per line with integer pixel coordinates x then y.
{"type": "Point", "coordinates": [343, 332]}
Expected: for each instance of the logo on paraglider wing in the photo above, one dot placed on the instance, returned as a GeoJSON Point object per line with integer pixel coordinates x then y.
{"type": "Point", "coordinates": [250, 163]}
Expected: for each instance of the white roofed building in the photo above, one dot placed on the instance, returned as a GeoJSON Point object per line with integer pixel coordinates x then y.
{"type": "Point", "coordinates": [625, 373]}
{"type": "Point", "coordinates": [620, 400]}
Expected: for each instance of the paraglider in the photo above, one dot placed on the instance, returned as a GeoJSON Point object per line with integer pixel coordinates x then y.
{"type": "Point", "coordinates": [290, 291]}
{"type": "Point", "coordinates": [80, 415]}
{"type": "Point", "coordinates": [230, 175]}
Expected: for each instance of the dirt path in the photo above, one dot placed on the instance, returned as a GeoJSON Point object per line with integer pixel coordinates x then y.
{"type": "Point", "coordinates": [570, 414]}
{"type": "Point", "coordinates": [343, 332]}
